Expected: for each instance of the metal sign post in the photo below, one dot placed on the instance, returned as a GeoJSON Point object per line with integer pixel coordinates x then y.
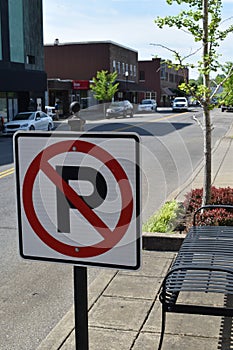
{"type": "Point", "coordinates": [61, 220]}
{"type": "Point", "coordinates": [81, 308]}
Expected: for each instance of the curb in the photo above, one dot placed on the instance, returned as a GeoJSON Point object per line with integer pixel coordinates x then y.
{"type": "Point", "coordinates": [165, 242]}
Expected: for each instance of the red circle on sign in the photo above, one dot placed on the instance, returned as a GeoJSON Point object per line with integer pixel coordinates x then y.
{"type": "Point", "coordinates": [41, 163]}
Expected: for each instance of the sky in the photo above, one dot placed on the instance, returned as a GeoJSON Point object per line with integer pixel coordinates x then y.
{"type": "Point", "coordinates": [126, 22]}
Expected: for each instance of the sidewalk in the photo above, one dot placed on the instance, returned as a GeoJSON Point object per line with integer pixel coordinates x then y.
{"type": "Point", "coordinates": [124, 310]}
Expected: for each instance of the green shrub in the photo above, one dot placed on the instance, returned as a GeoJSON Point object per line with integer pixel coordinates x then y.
{"type": "Point", "coordinates": [164, 220]}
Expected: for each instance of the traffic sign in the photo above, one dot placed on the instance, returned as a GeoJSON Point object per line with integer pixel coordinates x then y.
{"type": "Point", "coordinates": [78, 198]}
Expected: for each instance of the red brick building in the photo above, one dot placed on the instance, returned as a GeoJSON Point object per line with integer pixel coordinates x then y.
{"type": "Point", "coordinates": [158, 81]}
{"type": "Point", "coordinates": [70, 68]}
{"type": "Point", "coordinates": [149, 79]}
{"type": "Point", "coordinates": [75, 64]}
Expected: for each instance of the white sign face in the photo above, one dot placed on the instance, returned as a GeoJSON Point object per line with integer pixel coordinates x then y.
{"type": "Point", "coordinates": [78, 198]}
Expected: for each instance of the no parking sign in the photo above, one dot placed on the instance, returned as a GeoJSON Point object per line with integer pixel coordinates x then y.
{"type": "Point", "coordinates": [78, 198]}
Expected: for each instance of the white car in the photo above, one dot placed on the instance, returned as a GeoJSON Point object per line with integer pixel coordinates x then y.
{"type": "Point", "coordinates": [51, 112]}
{"type": "Point", "coordinates": [180, 104]}
{"type": "Point", "coordinates": [29, 121]}
{"type": "Point", "coordinates": [147, 105]}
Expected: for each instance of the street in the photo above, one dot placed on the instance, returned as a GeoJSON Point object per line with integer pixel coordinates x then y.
{"type": "Point", "coordinates": [36, 295]}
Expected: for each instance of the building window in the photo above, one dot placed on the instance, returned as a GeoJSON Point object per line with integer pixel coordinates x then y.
{"type": "Point", "coordinates": [119, 67]}
{"type": "Point", "coordinates": [179, 79]}
{"type": "Point", "coordinates": [16, 30]}
{"type": "Point", "coordinates": [162, 73]}
{"type": "Point", "coordinates": [31, 59]}
{"type": "Point", "coordinates": [141, 75]}
{"type": "Point", "coordinates": [131, 70]}
{"type": "Point", "coordinates": [123, 68]}
{"type": "Point", "coordinates": [114, 65]}
{"type": "Point", "coordinates": [171, 78]}
{"type": "Point", "coordinates": [134, 71]}
{"type": "Point", "coordinates": [151, 95]}
{"type": "Point", "coordinates": [3, 105]}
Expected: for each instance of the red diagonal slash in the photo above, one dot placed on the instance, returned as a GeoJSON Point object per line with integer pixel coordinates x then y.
{"type": "Point", "coordinates": [110, 238]}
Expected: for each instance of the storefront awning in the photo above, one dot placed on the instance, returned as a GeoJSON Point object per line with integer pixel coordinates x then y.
{"type": "Point", "coordinates": [130, 86]}
{"type": "Point", "coordinates": [167, 91]}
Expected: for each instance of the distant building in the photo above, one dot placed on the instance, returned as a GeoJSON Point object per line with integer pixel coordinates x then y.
{"type": "Point", "coordinates": [149, 79]}
{"type": "Point", "coordinates": [159, 81]}
{"type": "Point", "coordinates": [71, 67]}
{"type": "Point", "coordinates": [23, 80]}
{"type": "Point", "coordinates": [170, 79]}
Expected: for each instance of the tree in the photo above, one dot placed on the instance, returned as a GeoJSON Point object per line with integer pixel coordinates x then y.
{"type": "Point", "coordinates": [202, 20]}
{"type": "Point", "coordinates": [227, 94]}
{"type": "Point", "coordinates": [104, 85]}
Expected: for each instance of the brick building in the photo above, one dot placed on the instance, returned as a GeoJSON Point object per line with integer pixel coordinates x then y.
{"type": "Point", "coordinates": [149, 79]}
{"type": "Point", "coordinates": [75, 64]}
{"type": "Point", "coordinates": [71, 67]}
{"type": "Point", "coordinates": [159, 81]}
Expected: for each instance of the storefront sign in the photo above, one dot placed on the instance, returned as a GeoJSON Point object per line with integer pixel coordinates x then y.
{"type": "Point", "coordinates": [81, 85]}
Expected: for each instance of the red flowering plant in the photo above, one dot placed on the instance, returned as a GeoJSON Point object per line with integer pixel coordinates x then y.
{"type": "Point", "coordinates": [218, 216]}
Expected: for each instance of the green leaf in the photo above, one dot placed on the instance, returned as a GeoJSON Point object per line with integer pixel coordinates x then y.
{"type": "Point", "coordinates": [104, 85]}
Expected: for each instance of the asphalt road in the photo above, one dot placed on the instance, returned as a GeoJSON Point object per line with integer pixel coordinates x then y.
{"type": "Point", "coordinates": [35, 295]}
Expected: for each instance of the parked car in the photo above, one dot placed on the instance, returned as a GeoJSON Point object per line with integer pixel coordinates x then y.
{"type": "Point", "coordinates": [180, 104]}
{"type": "Point", "coordinates": [51, 112]}
{"type": "Point", "coordinates": [147, 105]}
{"type": "Point", "coordinates": [29, 121]}
{"type": "Point", "coordinates": [226, 108]}
{"type": "Point", "coordinates": [119, 109]}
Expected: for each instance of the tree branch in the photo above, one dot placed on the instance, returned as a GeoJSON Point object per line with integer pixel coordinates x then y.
{"type": "Point", "coordinates": [229, 74]}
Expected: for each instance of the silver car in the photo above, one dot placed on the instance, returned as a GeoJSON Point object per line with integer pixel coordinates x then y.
{"type": "Point", "coordinates": [120, 109]}
{"type": "Point", "coordinates": [29, 121]}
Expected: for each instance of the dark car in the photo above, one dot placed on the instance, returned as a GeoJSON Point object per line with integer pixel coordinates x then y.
{"type": "Point", "coordinates": [119, 109]}
{"type": "Point", "coordinates": [226, 108]}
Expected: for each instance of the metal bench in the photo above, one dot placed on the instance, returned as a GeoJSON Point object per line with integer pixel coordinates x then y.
{"type": "Point", "coordinates": [204, 264]}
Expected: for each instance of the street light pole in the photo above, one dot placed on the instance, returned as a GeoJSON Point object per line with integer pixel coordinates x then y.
{"type": "Point", "coordinates": [126, 84]}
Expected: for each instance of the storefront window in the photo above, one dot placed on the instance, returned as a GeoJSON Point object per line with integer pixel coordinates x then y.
{"type": "Point", "coordinates": [151, 95]}
{"type": "Point", "coordinates": [8, 105]}
{"type": "Point", "coordinates": [3, 105]}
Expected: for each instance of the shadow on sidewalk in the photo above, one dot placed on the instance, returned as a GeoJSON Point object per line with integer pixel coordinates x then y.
{"type": "Point", "coordinates": [226, 329]}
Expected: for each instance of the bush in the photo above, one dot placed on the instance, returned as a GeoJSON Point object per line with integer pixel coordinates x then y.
{"type": "Point", "coordinates": [215, 217]}
{"type": "Point", "coordinates": [178, 217]}
{"type": "Point", "coordinates": [165, 219]}
{"type": "Point", "coordinates": [219, 216]}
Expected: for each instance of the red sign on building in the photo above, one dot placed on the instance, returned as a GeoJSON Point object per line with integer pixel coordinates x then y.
{"type": "Point", "coordinates": [81, 85]}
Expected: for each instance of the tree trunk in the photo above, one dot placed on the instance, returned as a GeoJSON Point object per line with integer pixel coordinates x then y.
{"type": "Point", "coordinates": [207, 157]}
{"type": "Point", "coordinates": [206, 111]}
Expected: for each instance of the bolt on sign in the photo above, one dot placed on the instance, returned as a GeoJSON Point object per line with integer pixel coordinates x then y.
{"type": "Point", "coordinates": [78, 198]}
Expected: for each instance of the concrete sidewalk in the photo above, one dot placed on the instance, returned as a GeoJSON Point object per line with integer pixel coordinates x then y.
{"type": "Point", "coordinates": [124, 310]}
